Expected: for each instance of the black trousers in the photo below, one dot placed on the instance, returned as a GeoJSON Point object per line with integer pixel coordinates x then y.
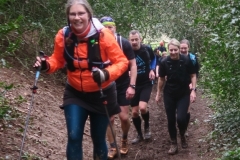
{"type": "Point", "coordinates": [176, 107]}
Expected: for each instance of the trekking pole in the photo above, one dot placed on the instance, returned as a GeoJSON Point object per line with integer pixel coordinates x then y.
{"type": "Point", "coordinates": [34, 90]}
{"type": "Point", "coordinates": [111, 128]}
{"type": "Point", "coordinates": [103, 97]}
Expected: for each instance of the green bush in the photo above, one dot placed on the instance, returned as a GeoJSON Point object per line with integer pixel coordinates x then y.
{"type": "Point", "coordinates": [26, 27]}
{"type": "Point", "coordinates": [220, 70]}
{"type": "Point", "coordinates": [5, 109]}
{"type": "Point", "coordinates": [232, 155]}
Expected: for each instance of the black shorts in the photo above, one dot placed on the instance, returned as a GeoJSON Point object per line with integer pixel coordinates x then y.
{"type": "Point", "coordinates": [121, 94]}
{"type": "Point", "coordinates": [142, 93]}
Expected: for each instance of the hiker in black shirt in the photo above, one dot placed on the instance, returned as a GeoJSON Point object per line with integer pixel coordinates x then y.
{"type": "Point", "coordinates": [161, 48]}
{"type": "Point", "coordinates": [164, 54]}
{"type": "Point", "coordinates": [184, 50]}
{"type": "Point", "coordinates": [146, 63]}
{"type": "Point", "coordinates": [125, 90]}
{"type": "Point", "coordinates": [180, 72]}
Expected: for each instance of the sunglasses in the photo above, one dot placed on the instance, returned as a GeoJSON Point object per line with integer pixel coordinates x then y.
{"type": "Point", "coordinates": [106, 19]}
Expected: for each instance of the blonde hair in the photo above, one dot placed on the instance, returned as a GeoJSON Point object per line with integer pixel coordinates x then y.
{"type": "Point", "coordinates": [174, 42]}
{"type": "Point", "coordinates": [82, 2]}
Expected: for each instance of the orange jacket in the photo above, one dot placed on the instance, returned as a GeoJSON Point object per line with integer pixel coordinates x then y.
{"type": "Point", "coordinates": [82, 80]}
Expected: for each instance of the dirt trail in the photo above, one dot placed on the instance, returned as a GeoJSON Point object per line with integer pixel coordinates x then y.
{"type": "Point", "coordinates": [46, 136]}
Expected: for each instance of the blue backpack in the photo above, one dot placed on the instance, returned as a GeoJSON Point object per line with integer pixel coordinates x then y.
{"type": "Point", "coordinates": [194, 61]}
{"type": "Point", "coordinates": [193, 58]}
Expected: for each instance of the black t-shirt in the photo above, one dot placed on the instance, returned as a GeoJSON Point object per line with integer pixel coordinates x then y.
{"type": "Point", "coordinates": [143, 58]}
{"type": "Point", "coordinates": [159, 60]}
{"type": "Point", "coordinates": [178, 74]}
{"type": "Point", "coordinates": [162, 48]}
{"type": "Point", "coordinates": [128, 52]}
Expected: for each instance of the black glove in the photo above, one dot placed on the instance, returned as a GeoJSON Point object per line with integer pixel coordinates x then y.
{"type": "Point", "coordinates": [45, 65]}
{"type": "Point", "coordinates": [100, 75]}
{"type": "Point", "coordinates": [42, 59]}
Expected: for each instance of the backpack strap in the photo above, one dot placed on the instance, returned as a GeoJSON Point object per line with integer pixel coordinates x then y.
{"type": "Point", "coordinates": [152, 62]}
{"type": "Point", "coordinates": [93, 59]}
{"type": "Point", "coordinates": [148, 55]}
{"type": "Point", "coordinates": [94, 55]}
{"type": "Point", "coordinates": [181, 60]}
{"type": "Point", "coordinates": [177, 70]}
{"type": "Point", "coordinates": [168, 64]}
{"type": "Point", "coordinates": [69, 48]}
{"type": "Point", "coordinates": [118, 37]}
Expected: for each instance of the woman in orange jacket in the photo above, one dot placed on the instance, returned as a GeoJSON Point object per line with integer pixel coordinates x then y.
{"type": "Point", "coordinates": [94, 61]}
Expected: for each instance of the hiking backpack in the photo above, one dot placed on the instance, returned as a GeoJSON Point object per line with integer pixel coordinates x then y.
{"type": "Point", "coordinates": [118, 38]}
{"type": "Point", "coordinates": [94, 60]}
{"type": "Point", "coordinates": [178, 73]}
{"type": "Point", "coordinates": [195, 63]}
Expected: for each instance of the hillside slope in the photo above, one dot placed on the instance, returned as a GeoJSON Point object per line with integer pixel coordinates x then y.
{"type": "Point", "coordinates": [46, 136]}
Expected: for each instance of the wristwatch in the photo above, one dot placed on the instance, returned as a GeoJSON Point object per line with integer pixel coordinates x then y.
{"type": "Point", "coordinates": [132, 86]}
{"type": "Point", "coordinates": [194, 89]}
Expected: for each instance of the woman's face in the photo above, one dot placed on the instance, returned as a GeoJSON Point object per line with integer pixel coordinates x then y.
{"type": "Point", "coordinates": [174, 52]}
{"type": "Point", "coordinates": [78, 17]}
{"type": "Point", "coordinates": [184, 48]}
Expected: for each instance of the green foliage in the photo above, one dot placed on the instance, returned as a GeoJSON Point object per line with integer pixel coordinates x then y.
{"type": "Point", "coordinates": [150, 17]}
{"type": "Point", "coordinates": [5, 109]}
{"type": "Point", "coordinates": [26, 27]}
{"type": "Point", "coordinates": [30, 26]}
{"type": "Point", "coordinates": [220, 73]}
{"type": "Point", "coordinates": [232, 155]}
{"type": "Point", "coordinates": [28, 156]}
{"type": "Point", "coordinates": [212, 26]}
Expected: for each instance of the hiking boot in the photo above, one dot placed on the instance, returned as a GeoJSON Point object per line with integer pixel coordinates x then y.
{"type": "Point", "coordinates": [112, 153]}
{"type": "Point", "coordinates": [184, 141]}
{"type": "Point", "coordinates": [138, 139]}
{"type": "Point", "coordinates": [124, 147]}
{"type": "Point", "coordinates": [173, 148]}
{"type": "Point", "coordinates": [147, 134]}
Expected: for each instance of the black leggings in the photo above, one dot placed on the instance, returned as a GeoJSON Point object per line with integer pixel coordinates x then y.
{"type": "Point", "coordinates": [176, 106]}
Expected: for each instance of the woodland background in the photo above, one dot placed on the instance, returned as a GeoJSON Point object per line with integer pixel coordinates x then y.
{"type": "Point", "coordinates": [212, 26]}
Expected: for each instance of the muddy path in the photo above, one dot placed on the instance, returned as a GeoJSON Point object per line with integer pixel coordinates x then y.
{"type": "Point", "coordinates": [46, 136]}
